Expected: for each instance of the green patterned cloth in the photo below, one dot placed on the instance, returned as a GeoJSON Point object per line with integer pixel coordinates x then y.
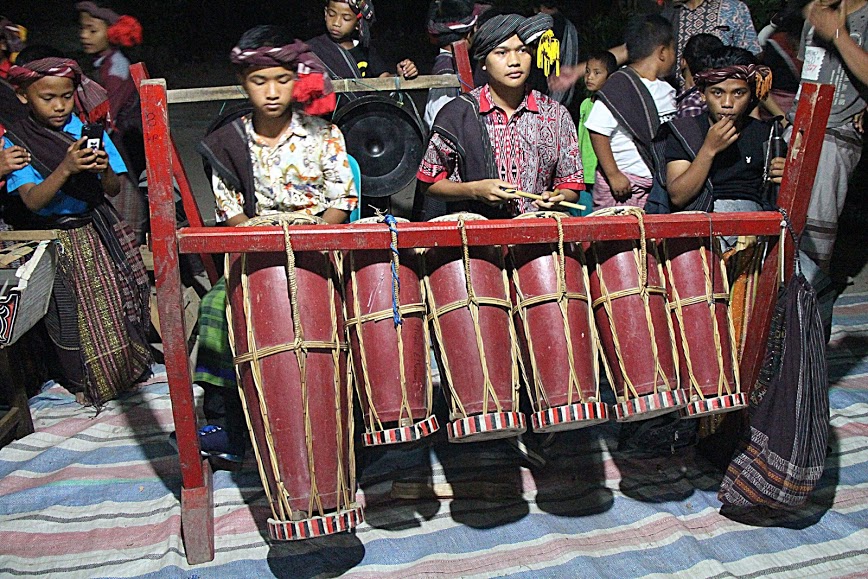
{"type": "Point", "coordinates": [214, 363]}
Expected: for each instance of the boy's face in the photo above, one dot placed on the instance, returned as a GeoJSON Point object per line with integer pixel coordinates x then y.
{"type": "Point", "coordinates": [667, 58]}
{"type": "Point", "coordinates": [596, 74]}
{"type": "Point", "coordinates": [340, 20]}
{"type": "Point", "coordinates": [509, 64]}
{"type": "Point", "coordinates": [50, 100]}
{"type": "Point", "coordinates": [92, 33]}
{"type": "Point", "coordinates": [270, 90]}
{"type": "Point", "coordinates": [730, 98]}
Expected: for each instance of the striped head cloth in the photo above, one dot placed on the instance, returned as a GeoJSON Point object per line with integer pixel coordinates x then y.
{"type": "Point", "coordinates": [503, 27]}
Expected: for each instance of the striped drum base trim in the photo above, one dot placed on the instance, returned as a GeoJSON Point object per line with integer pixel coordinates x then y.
{"type": "Point", "coordinates": [650, 405]}
{"type": "Point", "coordinates": [486, 427]}
{"type": "Point", "coordinates": [716, 405]}
{"type": "Point", "coordinates": [570, 417]}
{"type": "Point", "coordinates": [330, 524]}
{"type": "Point", "coordinates": [410, 433]}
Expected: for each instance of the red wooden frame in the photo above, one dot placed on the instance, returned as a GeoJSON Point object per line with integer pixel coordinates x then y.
{"type": "Point", "coordinates": [196, 498]}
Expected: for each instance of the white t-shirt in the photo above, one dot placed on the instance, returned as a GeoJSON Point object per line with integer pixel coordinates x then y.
{"type": "Point", "coordinates": [624, 150]}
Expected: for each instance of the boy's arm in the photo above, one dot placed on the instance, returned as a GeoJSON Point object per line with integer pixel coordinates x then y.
{"type": "Point", "coordinates": [686, 178]}
{"type": "Point", "coordinates": [37, 195]}
{"type": "Point", "coordinates": [618, 182]}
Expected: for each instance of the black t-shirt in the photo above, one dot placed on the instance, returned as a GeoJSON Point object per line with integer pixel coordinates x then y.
{"type": "Point", "coordinates": [737, 172]}
{"type": "Point", "coordinates": [370, 64]}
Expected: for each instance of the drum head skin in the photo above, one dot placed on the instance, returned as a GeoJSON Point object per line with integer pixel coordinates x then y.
{"type": "Point", "coordinates": [386, 138]}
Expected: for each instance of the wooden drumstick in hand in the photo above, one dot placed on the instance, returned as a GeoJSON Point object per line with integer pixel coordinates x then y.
{"type": "Point", "coordinates": [536, 197]}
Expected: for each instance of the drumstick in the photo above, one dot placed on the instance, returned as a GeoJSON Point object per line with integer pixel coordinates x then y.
{"type": "Point", "coordinates": [536, 197]}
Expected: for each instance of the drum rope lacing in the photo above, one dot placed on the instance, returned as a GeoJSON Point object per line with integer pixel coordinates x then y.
{"type": "Point", "coordinates": [562, 298]}
{"type": "Point", "coordinates": [711, 299]}
{"type": "Point", "coordinates": [356, 323]}
{"type": "Point", "coordinates": [644, 291]}
{"type": "Point", "coordinates": [300, 347]}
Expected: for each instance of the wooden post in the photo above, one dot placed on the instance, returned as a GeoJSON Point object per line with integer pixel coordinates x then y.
{"type": "Point", "coordinates": [197, 510]}
{"type": "Point", "coordinates": [803, 155]}
{"type": "Point", "coordinates": [140, 73]}
{"type": "Point", "coordinates": [462, 65]}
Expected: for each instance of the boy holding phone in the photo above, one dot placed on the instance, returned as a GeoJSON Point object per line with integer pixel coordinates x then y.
{"type": "Point", "coordinates": [99, 305]}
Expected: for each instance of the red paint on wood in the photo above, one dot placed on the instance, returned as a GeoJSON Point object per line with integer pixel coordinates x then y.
{"type": "Point", "coordinates": [462, 64]}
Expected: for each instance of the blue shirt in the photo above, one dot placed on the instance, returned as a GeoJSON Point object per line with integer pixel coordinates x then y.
{"type": "Point", "coordinates": [62, 204]}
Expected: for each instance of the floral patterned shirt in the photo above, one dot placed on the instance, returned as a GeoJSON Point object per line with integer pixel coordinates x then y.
{"type": "Point", "coordinates": [307, 170]}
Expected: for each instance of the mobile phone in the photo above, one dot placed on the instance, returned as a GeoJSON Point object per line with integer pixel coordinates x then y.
{"type": "Point", "coordinates": [92, 132]}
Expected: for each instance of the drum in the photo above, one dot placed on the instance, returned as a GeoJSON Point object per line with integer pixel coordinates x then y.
{"type": "Point", "coordinates": [699, 300]}
{"type": "Point", "coordinates": [285, 329]}
{"type": "Point", "coordinates": [556, 331]}
{"type": "Point", "coordinates": [469, 307]}
{"type": "Point", "coordinates": [388, 139]}
{"type": "Point", "coordinates": [634, 326]}
{"type": "Point", "coordinates": [389, 342]}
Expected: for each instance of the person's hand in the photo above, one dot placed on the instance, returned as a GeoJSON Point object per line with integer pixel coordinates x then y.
{"type": "Point", "coordinates": [493, 191]}
{"type": "Point", "coordinates": [101, 162]}
{"type": "Point", "coordinates": [829, 18]}
{"type": "Point", "coordinates": [12, 159]}
{"type": "Point", "coordinates": [720, 136]}
{"type": "Point", "coordinates": [620, 185]}
{"type": "Point", "coordinates": [776, 169]}
{"type": "Point", "coordinates": [407, 69]}
{"type": "Point", "coordinates": [78, 160]}
{"type": "Point", "coordinates": [549, 199]}
{"type": "Point", "coordinates": [859, 122]}
{"type": "Point", "coordinates": [570, 75]}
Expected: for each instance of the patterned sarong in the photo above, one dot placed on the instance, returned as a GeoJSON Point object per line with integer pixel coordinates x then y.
{"type": "Point", "coordinates": [99, 308]}
{"type": "Point", "coordinates": [214, 362]}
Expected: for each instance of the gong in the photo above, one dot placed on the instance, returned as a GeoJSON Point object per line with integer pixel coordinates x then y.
{"type": "Point", "coordinates": [387, 138]}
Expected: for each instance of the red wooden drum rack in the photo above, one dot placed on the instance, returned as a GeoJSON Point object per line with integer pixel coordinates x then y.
{"type": "Point", "coordinates": [197, 511]}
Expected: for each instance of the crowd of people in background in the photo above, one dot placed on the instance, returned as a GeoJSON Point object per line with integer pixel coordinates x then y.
{"type": "Point", "coordinates": [678, 117]}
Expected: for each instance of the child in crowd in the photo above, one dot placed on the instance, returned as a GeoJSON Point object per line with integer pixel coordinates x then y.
{"type": "Point", "coordinates": [690, 102]}
{"type": "Point", "coordinates": [104, 34]}
{"type": "Point", "coordinates": [628, 111]}
{"type": "Point", "coordinates": [598, 68]}
{"type": "Point", "coordinates": [346, 48]}
{"type": "Point", "coordinates": [98, 314]}
{"type": "Point", "coordinates": [449, 21]}
{"type": "Point", "coordinates": [12, 41]}
{"type": "Point", "coordinates": [502, 137]}
{"type": "Point", "coordinates": [279, 158]}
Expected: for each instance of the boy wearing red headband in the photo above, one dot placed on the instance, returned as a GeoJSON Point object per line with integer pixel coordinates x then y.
{"type": "Point", "coordinates": [104, 34]}
{"type": "Point", "coordinates": [281, 157]}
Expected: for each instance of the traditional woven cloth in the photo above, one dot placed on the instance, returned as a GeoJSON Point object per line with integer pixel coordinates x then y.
{"type": "Point", "coordinates": [364, 11]}
{"type": "Point", "coordinates": [13, 35]}
{"type": "Point", "coordinates": [123, 30]}
{"type": "Point", "coordinates": [757, 76]}
{"type": "Point", "coordinates": [214, 363]}
{"type": "Point", "coordinates": [449, 22]}
{"type": "Point", "coordinates": [99, 310]}
{"type": "Point", "coordinates": [501, 28]}
{"type": "Point", "coordinates": [90, 98]}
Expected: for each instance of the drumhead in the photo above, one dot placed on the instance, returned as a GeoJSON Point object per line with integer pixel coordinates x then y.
{"type": "Point", "coordinates": [388, 140]}
{"type": "Point", "coordinates": [289, 218]}
{"type": "Point", "coordinates": [542, 215]}
{"type": "Point", "coordinates": [466, 215]}
{"type": "Point", "coordinates": [376, 219]}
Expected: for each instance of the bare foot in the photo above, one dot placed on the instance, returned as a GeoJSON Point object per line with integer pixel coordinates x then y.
{"type": "Point", "coordinates": [79, 397]}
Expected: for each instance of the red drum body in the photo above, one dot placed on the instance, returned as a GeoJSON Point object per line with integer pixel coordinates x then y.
{"type": "Point", "coordinates": [635, 330]}
{"type": "Point", "coordinates": [699, 300]}
{"type": "Point", "coordinates": [390, 360]}
{"type": "Point", "coordinates": [555, 327]}
{"type": "Point", "coordinates": [468, 299]}
{"type": "Point", "coordinates": [286, 331]}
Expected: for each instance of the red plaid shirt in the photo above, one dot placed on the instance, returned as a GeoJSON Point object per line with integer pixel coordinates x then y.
{"type": "Point", "coordinates": [536, 150]}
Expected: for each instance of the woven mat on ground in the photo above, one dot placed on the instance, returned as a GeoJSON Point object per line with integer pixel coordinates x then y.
{"type": "Point", "coordinates": [98, 496]}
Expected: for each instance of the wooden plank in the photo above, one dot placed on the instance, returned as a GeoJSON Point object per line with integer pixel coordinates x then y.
{"type": "Point", "coordinates": [500, 232]}
{"type": "Point", "coordinates": [462, 65]}
{"type": "Point", "coordinates": [28, 235]}
{"type": "Point", "coordinates": [395, 83]}
{"type": "Point", "coordinates": [196, 501]}
{"type": "Point", "coordinates": [809, 128]}
{"type": "Point", "coordinates": [191, 208]}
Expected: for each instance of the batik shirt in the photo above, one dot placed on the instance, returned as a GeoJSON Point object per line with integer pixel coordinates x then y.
{"type": "Point", "coordinates": [307, 170]}
{"type": "Point", "coordinates": [536, 150]}
{"type": "Point", "coordinates": [729, 20]}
